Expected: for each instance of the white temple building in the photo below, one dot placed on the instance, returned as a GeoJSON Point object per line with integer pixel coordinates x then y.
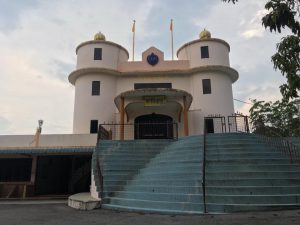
{"type": "Point", "coordinates": [109, 88]}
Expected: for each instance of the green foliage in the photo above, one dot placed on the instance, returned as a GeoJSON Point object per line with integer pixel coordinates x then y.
{"type": "Point", "coordinates": [280, 117]}
{"type": "Point", "coordinates": [233, 1]}
{"type": "Point", "coordinates": [282, 14]}
{"type": "Point", "coordinates": [287, 60]}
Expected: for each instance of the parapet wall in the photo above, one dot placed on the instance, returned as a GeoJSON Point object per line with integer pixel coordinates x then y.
{"type": "Point", "coordinates": [49, 140]}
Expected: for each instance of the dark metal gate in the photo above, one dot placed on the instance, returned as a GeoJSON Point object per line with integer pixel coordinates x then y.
{"type": "Point", "coordinates": [238, 123]}
{"type": "Point", "coordinates": [215, 124]}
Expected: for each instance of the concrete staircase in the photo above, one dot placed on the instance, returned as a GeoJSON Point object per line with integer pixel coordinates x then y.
{"type": "Point", "coordinates": [295, 141]}
{"type": "Point", "coordinates": [245, 174]}
{"type": "Point", "coordinates": [242, 174]}
{"type": "Point", "coordinates": [165, 177]}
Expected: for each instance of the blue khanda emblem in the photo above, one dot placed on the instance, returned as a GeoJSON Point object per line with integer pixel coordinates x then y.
{"type": "Point", "coordinates": [152, 59]}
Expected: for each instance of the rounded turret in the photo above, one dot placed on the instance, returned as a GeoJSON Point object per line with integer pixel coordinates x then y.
{"type": "Point", "coordinates": [100, 53]}
{"type": "Point", "coordinates": [206, 51]}
{"type": "Point", "coordinates": [95, 87]}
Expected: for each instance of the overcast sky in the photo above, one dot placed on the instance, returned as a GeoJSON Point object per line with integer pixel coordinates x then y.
{"type": "Point", "coordinates": [38, 40]}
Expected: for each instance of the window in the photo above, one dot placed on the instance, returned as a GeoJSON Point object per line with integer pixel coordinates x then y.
{"type": "Point", "coordinates": [94, 126]}
{"type": "Point", "coordinates": [206, 86]}
{"type": "Point", "coordinates": [152, 85]}
{"type": "Point", "coordinates": [204, 52]}
{"type": "Point", "coordinates": [96, 88]}
{"type": "Point", "coordinates": [98, 54]}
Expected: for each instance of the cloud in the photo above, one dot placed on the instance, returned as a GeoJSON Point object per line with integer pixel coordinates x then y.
{"type": "Point", "coordinates": [254, 27]}
{"type": "Point", "coordinates": [11, 11]}
{"type": "Point", "coordinates": [38, 41]}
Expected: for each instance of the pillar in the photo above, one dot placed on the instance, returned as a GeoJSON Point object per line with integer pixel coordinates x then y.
{"type": "Point", "coordinates": [122, 115]}
{"type": "Point", "coordinates": [185, 117]}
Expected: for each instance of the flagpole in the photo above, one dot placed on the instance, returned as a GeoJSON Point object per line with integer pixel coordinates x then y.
{"type": "Point", "coordinates": [133, 39]}
{"type": "Point", "coordinates": [171, 29]}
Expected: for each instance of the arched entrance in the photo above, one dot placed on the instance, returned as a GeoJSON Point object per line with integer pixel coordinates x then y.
{"type": "Point", "coordinates": [153, 126]}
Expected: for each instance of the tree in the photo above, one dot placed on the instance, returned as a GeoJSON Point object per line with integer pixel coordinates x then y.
{"type": "Point", "coordinates": [278, 118]}
{"type": "Point", "coordinates": [285, 13]}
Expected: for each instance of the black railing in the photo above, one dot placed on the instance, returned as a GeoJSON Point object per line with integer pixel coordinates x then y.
{"type": "Point", "coordinates": [282, 144]}
{"type": "Point", "coordinates": [133, 131]}
{"type": "Point", "coordinates": [237, 123]}
{"type": "Point", "coordinates": [204, 168]}
{"type": "Point", "coordinates": [99, 174]}
{"type": "Point", "coordinates": [215, 124]}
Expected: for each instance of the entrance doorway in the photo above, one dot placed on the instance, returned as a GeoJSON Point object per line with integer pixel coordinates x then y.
{"type": "Point", "coordinates": [209, 124]}
{"type": "Point", "coordinates": [153, 126]}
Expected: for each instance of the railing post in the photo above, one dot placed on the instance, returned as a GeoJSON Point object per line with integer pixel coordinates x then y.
{"type": "Point", "coordinates": [204, 168]}
{"type": "Point", "coordinates": [122, 115]}
{"type": "Point", "coordinates": [185, 117]}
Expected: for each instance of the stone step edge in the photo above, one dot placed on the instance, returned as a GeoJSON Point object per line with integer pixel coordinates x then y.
{"type": "Point", "coordinates": [150, 210]}
{"type": "Point", "coordinates": [152, 201]}
{"type": "Point", "coordinates": [156, 193]}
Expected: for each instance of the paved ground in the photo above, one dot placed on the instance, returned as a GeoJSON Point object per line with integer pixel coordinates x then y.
{"type": "Point", "coordinates": [60, 214]}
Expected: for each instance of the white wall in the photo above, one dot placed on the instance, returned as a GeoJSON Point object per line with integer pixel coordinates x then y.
{"type": "Point", "coordinates": [218, 53]}
{"type": "Point", "coordinates": [103, 109]}
{"type": "Point", "coordinates": [112, 55]}
{"type": "Point", "coordinates": [99, 107]}
{"type": "Point", "coordinates": [127, 83]}
{"type": "Point", "coordinates": [220, 101]}
{"type": "Point", "coordinates": [49, 140]}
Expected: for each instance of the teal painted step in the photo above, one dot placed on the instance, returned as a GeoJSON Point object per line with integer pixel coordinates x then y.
{"type": "Point", "coordinates": [253, 167]}
{"type": "Point", "coordinates": [253, 175]}
{"type": "Point", "coordinates": [164, 208]}
{"type": "Point", "coordinates": [156, 196]}
{"type": "Point", "coordinates": [229, 208]}
{"type": "Point", "coordinates": [248, 175]}
{"type": "Point", "coordinates": [254, 182]}
{"type": "Point", "coordinates": [159, 189]}
{"type": "Point", "coordinates": [243, 174]}
{"type": "Point", "coordinates": [244, 155]}
{"type": "Point", "coordinates": [121, 160]}
{"type": "Point", "coordinates": [252, 190]}
{"type": "Point", "coordinates": [169, 182]}
{"type": "Point", "coordinates": [254, 199]}
{"type": "Point", "coordinates": [148, 206]}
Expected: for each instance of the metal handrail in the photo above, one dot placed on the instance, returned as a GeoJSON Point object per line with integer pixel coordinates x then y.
{"type": "Point", "coordinates": [279, 142]}
{"type": "Point", "coordinates": [100, 176]}
{"type": "Point", "coordinates": [204, 167]}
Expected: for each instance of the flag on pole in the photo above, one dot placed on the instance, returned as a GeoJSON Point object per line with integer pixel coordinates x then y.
{"type": "Point", "coordinates": [133, 26]}
{"type": "Point", "coordinates": [171, 29]}
{"type": "Point", "coordinates": [133, 39]}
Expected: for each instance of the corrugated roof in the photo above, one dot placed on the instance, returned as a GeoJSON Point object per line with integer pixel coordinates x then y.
{"type": "Point", "coordinates": [46, 150]}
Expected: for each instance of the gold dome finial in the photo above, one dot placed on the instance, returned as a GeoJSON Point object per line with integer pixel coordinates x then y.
{"type": "Point", "coordinates": [205, 34]}
{"type": "Point", "coordinates": [99, 37]}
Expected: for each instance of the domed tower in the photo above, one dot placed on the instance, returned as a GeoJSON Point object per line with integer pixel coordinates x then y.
{"type": "Point", "coordinates": [212, 79]}
{"type": "Point", "coordinates": [95, 82]}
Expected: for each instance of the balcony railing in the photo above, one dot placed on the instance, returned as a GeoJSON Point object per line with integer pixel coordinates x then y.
{"type": "Point", "coordinates": [133, 131]}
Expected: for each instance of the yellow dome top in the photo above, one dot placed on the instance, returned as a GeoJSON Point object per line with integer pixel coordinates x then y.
{"type": "Point", "coordinates": [205, 34]}
{"type": "Point", "coordinates": [99, 37]}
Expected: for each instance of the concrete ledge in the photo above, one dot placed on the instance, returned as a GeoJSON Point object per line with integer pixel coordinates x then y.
{"type": "Point", "coordinates": [83, 201]}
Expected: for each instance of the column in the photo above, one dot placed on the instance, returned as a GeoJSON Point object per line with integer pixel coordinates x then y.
{"type": "Point", "coordinates": [122, 115]}
{"type": "Point", "coordinates": [185, 117]}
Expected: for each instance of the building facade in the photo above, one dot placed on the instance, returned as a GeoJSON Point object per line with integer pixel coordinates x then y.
{"type": "Point", "coordinates": [111, 89]}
